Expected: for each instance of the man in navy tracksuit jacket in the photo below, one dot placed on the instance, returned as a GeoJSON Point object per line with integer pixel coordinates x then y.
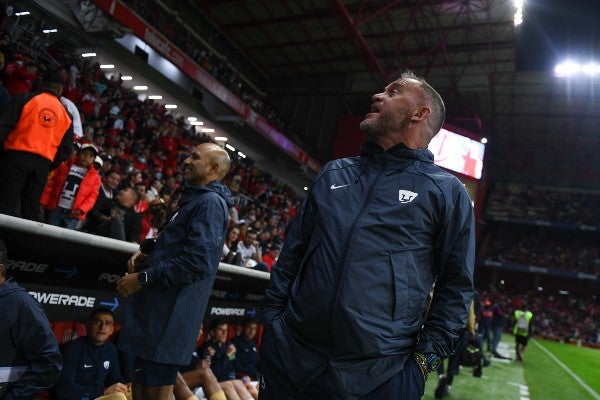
{"type": "Point", "coordinates": [91, 363]}
{"type": "Point", "coordinates": [349, 313]}
{"type": "Point", "coordinates": [170, 291]}
{"type": "Point", "coordinates": [29, 355]}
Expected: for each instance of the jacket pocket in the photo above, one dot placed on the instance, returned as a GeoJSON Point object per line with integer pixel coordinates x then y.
{"type": "Point", "coordinates": [400, 272]}
{"type": "Point", "coordinates": [302, 270]}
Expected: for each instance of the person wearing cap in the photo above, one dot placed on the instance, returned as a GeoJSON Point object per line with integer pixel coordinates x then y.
{"type": "Point", "coordinates": [72, 190]}
{"type": "Point", "coordinates": [36, 134]}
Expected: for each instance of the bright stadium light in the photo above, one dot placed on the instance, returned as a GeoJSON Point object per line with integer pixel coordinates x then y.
{"type": "Point", "coordinates": [107, 66]}
{"type": "Point", "coordinates": [192, 119]}
{"type": "Point", "coordinates": [50, 30]}
{"type": "Point", "coordinates": [229, 147]}
{"type": "Point", "coordinates": [126, 77]}
{"type": "Point", "coordinates": [207, 130]}
{"type": "Point", "coordinates": [155, 97]}
{"type": "Point", "coordinates": [220, 138]}
{"type": "Point", "coordinates": [518, 17]}
{"type": "Point", "coordinates": [567, 68]}
{"type": "Point", "coordinates": [305, 188]}
{"type": "Point", "coordinates": [195, 123]}
{"type": "Point", "coordinates": [170, 106]}
{"type": "Point", "coordinates": [22, 13]}
{"type": "Point", "coordinates": [591, 69]}
{"type": "Point", "coordinates": [85, 55]}
{"type": "Point", "coordinates": [571, 68]}
{"type": "Point", "coordinates": [241, 154]}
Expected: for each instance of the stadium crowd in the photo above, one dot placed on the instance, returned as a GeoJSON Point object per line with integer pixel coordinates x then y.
{"type": "Point", "coordinates": [137, 148]}
{"type": "Point", "coordinates": [175, 28]}
{"type": "Point", "coordinates": [544, 204]}
{"type": "Point", "coordinates": [542, 247]}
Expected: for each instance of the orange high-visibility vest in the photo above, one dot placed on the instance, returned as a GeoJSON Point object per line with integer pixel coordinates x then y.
{"type": "Point", "coordinates": [40, 128]}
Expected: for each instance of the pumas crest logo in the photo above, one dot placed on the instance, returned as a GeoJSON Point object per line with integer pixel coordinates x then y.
{"type": "Point", "coordinates": [106, 364]}
{"type": "Point", "coordinates": [406, 196]}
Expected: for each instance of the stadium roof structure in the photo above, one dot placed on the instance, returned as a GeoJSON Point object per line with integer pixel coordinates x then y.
{"type": "Point", "coordinates": [307, 55]}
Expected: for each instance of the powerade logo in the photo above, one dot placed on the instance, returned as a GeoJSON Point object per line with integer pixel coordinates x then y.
{"type": "Point", "coordinates": [63, 299]}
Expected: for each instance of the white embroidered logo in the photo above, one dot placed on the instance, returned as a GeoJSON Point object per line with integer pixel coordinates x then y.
{"type": "Point", "coordinates": [333, 187]}
{"type": "Point", "coordinates": [87, 365]}
{"type": "Point", "coordinates": [406, 196]}
{"type": "Point", "coordinates": [106, 364]}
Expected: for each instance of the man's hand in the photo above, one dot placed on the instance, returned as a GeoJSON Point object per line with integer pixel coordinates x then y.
{"type": "Point", "coordinates": [134, 261]}
{"type": "Point", "coordinates": [116, 388]}
{"type": "Point", "coordinates": [128, 284]}
{"type": "Point", "coordinates": [230, 350]}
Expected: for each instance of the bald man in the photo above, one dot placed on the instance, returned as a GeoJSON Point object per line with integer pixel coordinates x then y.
{"type": "Point", "coordinates": [168, 284]}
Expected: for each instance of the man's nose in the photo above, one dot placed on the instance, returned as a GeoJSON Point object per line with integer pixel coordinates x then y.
{"type": "Point", "coordinates": [377, 97]}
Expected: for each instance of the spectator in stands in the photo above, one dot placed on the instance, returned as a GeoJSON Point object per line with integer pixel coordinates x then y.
{"type": "Point", "coordinates": [246, 361]}
{"type": "Point", "coordinates": [37, 136]}
{"type": "Point", "coordinates": [174, 275]}
{"type": "Point", "coordinates": [142, 205]}
{"type": "Point", "coordinates": [522, 329]}
{"type": "Point", "coordinates": [154, 190]}
{"type": "Point", "coordinates": [72, 190]}
{"type": "Point", "coordinates": [91, 363]}
{"type": "Point", "coordinates": [230, 255]}
{"type": "Point", "coordinates": [29, 355]}
{"type": "Point", "coordinates": [19, 77]}
{"type": "Point", "coordinates": [116, 219]}
{"type": "Point", "coordinates": [249, 249]}
{"type": "Point", "coordinates": [72, 109]}
{"type": "Point", "coordinates": [271, 255]}
{"type": "Point", "coordinates": [346, 305]}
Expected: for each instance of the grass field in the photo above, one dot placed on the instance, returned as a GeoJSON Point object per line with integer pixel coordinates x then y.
{"type": "Point", "coordinates": [539, 377]}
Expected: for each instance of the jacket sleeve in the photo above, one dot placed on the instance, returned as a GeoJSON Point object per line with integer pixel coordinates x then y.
{"type": "Point", "coordinates": [89, 200]}
{"type": "Point", "coordinates": [285, 270]}
{"type": "Point", "coordinates": [67, 387]}
{"type": "Point", "coordinates": [204, 240]}
{"type": "Point", "coordinates": [10, 116]}
{"type": "Point", "coordinates": [64, 148]}
{"type": "Point", "coordinates": [54, 185]}
{"type": "Point", "coordinates": [114, 373]}
{"type": "Point", "coordinates": [453, 293]}
{"type": "Point", "coordinates": [37, 344]}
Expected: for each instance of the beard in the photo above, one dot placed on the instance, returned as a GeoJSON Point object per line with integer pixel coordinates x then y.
{"type": "Point", "coordinates": [384, 124]}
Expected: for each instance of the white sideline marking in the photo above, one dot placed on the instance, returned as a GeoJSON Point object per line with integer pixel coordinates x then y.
{"type": "Point", "coordinates": [568, 370]}
{"type": "Point", "coordinates": [523, 390]}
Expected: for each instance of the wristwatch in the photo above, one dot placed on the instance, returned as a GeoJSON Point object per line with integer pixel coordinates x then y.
{"type": "Point", "coordinates": [428, 362]}
{"type": "Point", "coordinates": [142, 278]}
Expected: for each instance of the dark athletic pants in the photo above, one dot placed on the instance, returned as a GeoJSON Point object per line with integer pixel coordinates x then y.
{"type": "Point", "coordinates": [22, 180]}
{"type": "Point", "coordinates": [408, 384]}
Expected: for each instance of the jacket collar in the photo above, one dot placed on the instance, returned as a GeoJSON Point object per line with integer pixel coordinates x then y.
{"type": "Point", "coordinates": [399, 152]}
{"type": "Point", "coordinates": [215, 186]}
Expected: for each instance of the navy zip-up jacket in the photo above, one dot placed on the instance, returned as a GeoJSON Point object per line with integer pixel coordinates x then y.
{"type": "Point", "coordinates": [27, 345]}
{"type": "Point", "coordinates": [162, 320]}
{"type": "Point", "coordinates": [87, 369]}
{"type": "Point", "coordinates": [351, 286]}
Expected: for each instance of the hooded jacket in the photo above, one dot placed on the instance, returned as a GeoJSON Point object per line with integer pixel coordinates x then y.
{"type": "Point", "coordinates": [351, 287]}
{"type": "Point", "coordinates": [163, 319]}
{"type": "Point", "coordinates": [27, 345]}
{"type": "Point", "coordinates": [87, 193]}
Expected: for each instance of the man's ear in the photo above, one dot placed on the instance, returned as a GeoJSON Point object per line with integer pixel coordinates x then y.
{"type": "Point", "coordinates": [421, 114]}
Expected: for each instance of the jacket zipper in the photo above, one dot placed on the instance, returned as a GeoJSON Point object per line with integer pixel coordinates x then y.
{"type": "Point", "coordinates": [342, 263]}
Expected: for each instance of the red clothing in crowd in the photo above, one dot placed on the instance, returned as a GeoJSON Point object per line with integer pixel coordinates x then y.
{"type": "Point", "coordinates": [86, 195]}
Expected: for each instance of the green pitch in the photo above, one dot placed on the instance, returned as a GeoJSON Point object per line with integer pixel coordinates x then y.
{"type": "Point", "coordinates": [539, 377]}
